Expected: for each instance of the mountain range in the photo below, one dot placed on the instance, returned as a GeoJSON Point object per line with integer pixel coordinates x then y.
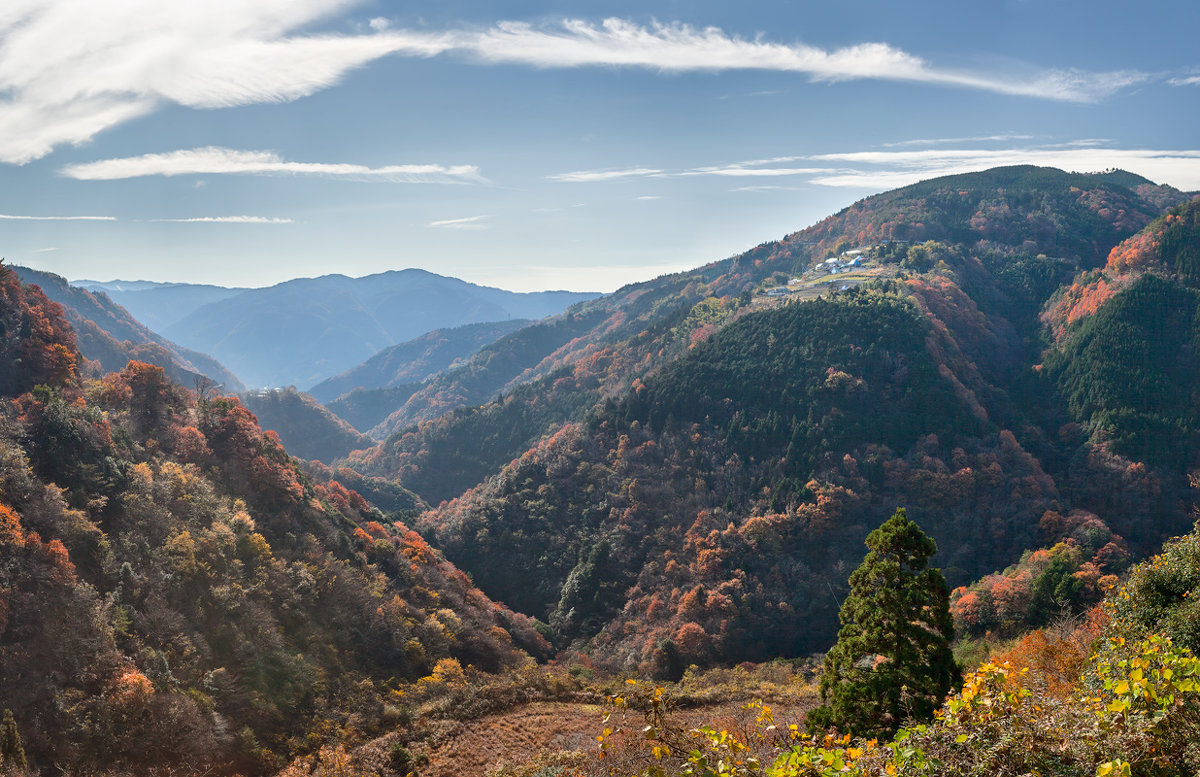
{"type": "Point", "coordinates": [306, 330]}
{"type": "Point", "coordinates": [698, 462]}
{"type": "Point", "coordinates": [681, 472]}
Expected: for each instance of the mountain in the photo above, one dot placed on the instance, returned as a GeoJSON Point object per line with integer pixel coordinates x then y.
{"type": "Point", "coordinates": [678, 473]}
{"type": "Point", "coordinates": [158, 305]}
{"type": "Point", "coordinates": [698, 463]}
{"type": "Point", "coordinates": [417, 359]}
{"type": "Point", "coordinates": [364, 409]}
{"type": "Point", "coordinates": [175, 591]}
{"type": "Point", "coordinates": [108, 334]}
{"type": "Point", "coordinates": [306, 330]}
{"type": "Point", "coordinates": [304, 426]}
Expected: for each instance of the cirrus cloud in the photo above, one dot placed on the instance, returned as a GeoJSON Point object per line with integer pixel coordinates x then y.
{"type": "Point", "coordinates": [213, 160]}
{"type": "Point", "coordinates": [227, 220]}
{"type": "Point", "coordinates": [70, 69]}
{"type": "Point", "coordinates": [469, 222]}
{"type": "Point", "coordinates": [11, 217]}
{"type": "Point", "coordinates": [877, 170]}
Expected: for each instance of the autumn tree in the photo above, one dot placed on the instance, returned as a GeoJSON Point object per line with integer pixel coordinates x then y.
{"type": "Point", "coordinates": [892, 660]}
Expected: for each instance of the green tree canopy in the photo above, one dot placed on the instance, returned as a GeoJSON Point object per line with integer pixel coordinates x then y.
{"type": "Point", "coordinates": [892, 660]}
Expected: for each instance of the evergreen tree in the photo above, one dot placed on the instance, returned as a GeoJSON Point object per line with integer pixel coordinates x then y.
{"type": "Point", "coordinates": [892, 660]}
{"type": "Point", "coordinates": [12, 752]}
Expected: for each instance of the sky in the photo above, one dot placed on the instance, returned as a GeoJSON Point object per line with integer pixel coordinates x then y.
{"type": "Point", "coordinates": [536, 145]}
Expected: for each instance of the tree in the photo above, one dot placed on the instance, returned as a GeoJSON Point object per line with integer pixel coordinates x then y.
{"type": "Point", "coordinates": [892, 660]}
{"type": "Point", "coordinates": [12, 753]}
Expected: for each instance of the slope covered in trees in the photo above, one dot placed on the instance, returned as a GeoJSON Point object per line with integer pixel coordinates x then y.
{"type": "Point", "coordinates": [108, 334]}
{"type": "Point", "coordinates": [681, 472]}
{"type": "Point", "coordinates": [1021, 233]}
{"type": "Point", "coordinates": [197, 599]}
{"type": "Point", "coordinates": [415, 360]}
{"type": "Point", "coordinates": [710, 464]}
{"type": "Point", "coordinates": [304, 426]}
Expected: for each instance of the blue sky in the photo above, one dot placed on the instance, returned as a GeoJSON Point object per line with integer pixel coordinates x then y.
{"type": "Point", "coordinates": [534, 145]}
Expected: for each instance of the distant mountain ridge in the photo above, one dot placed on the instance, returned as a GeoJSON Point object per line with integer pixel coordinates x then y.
{"type": "Point", "coordinates": [306, 330]}
{"type": "Point", "coordinates": [417, 359]}
{"type": "Point", "coordinates": [158, 305]}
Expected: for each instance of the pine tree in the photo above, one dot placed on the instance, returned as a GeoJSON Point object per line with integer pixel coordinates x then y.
{"type": "Point", "coordinates": [12, 753]}
{"type": "Point", "coordinates": [892, 660]}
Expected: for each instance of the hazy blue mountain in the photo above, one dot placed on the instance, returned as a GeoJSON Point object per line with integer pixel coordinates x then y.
{"type": "Point", "coordinates": [306, 330]}
{"type": "Point", "coordinates": [108, 334]}
{"type": "Point", "coordinates": [417, 359]}
{"type": "Point", "coordinates": [158, 305]}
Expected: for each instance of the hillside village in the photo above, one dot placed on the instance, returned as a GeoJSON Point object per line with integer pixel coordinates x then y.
{"type": "Point", "coordinates": [847, 270]}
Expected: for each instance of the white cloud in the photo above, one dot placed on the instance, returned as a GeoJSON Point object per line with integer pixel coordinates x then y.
{"type": "Point", "coordinates": [1189, 81]}
{"type": "Point", "coordinates": [766, 189]}
{"type": "Point", "coordinates": [752, 168]}
{"type": "Point", "coordinates": [10, 217]}
{"type": "Point", "coordinates": [44, 250]}
{"type": "Point", "coordinates": [879, 170]}
{"type": "Point", "coordinates": [213, 160]}
{"type": "Point", "coordinates": [887, 169]}
{"type": "Point", "coordinates": [228, 220]}
{"type": "Point", "coordinates": [586, 176]}
{"type": "Point", "coordinates": [470, 222]}
{"type": "Point", "coordinates": [680, 47]}
{"type": "Point", "coordinates": [746, 169]}
{"type": "Point", "coordinates": [945, 141]}
{"type": "Point", "coordinates": [70, 69]}
{"type": "Point", "coordinates": [650, 197]}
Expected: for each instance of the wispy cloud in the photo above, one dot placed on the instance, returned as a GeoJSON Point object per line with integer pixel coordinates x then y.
{"type": "Point", "coordinates": [11, 217]}
{"type": "Point", "coordinates": [765, 189]}
{"type": "Point", "coordinates": [227, 220]}
{"type": "Point", "coordinates": [1189, 81]}
{"type": "Point", "coordinates": [214, 160]}
{"type": "Point", "coordinates": [747, 169]}
{"type": "Point", "coordinates": [754, 168]}
{"type": "Point", "coordinates": [470, 222]}
{"type": "Point", "coordinates": [876, 170]}
{"type": "Point", "coordinates": [650, 197]}
{"type": "Point", "coordinates": [44, 250]}
{"type": "Point", "coordinates": [587, 176]}
{"type": "Point", "coordinates": [946, 141]}
{"type": "Point", "coordinates": [680, 47]}
{"type": "Point", "coordinates": [70, 69]}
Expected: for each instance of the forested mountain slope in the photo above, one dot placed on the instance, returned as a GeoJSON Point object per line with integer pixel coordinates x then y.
{"type": "Point", "coordinates": [108, 334]}
{"type": "Point", "coordinates": [176, 593]}
{"type": "Point", "coordinates": [712, 460]}
{"type": "Point", "coordinates": [1013, 223]}
{"type": "Point", "coordinates": [305, 427]}
{"type": "Point", "coordinates": [415, 360]}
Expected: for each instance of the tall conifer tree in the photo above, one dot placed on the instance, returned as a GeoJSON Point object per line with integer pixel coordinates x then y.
{"type": "Point", "coordinates": [892, 660]}
{"type": "Point", "coordinates": [12, 753]}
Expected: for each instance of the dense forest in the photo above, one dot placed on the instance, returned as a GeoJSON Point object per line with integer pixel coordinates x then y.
{"type": "Point", "coordinates": [174, 590]}
{"type": "Point", "coordinates": [672, 483]}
